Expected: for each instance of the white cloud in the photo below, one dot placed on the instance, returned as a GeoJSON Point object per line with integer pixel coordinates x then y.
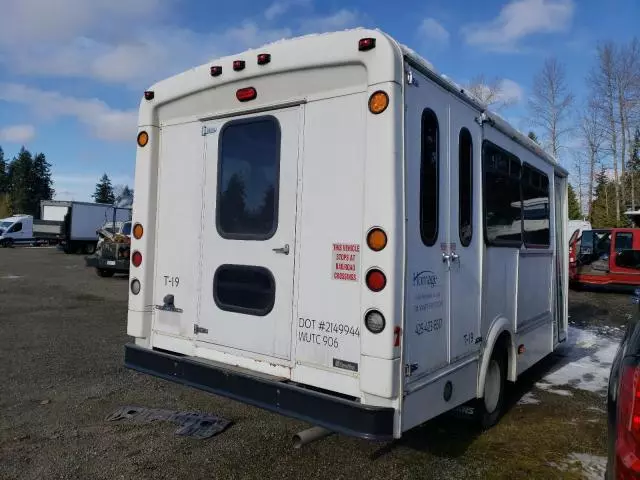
{"type": "Point", "coordinates": [519, 19]}
{"type": "Point", "coordinates": [430, 29]}
{"type": "Point", "coordinates": [74, 41]}
{"type": "Point", "coordinates": [17, 133]}
{"type": "Point", "coordinates": [104, 122]}
{"type": "Point", "coordinates": [35, 21]}
{"type": "Point", "coordinates": [340, 20]}
{"type": "Point", "coordinates": [510, 91]}
{"type": "Point", "coordinates": [280, 7]}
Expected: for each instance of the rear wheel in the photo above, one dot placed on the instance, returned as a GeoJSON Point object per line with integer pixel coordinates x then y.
{"type": "Point", "coordinates": [101, 272]}
{"type": "Point", "coordinates": [6, 243]}
{"type": "Point", "coordinates": [490, 407]}
{"type": "Point", "coordinates": [90, 248]}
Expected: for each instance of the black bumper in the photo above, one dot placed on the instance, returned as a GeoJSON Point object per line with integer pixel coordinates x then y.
{"type": "Point", "coordinates": [103, 264]}
{"type": "Point", "coordinates": [333, 413]}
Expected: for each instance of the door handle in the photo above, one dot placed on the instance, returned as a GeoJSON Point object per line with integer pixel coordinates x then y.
{"type": "Point", "coordinates": [284, 250]}
{"type": "Point", "coordinates": [446, 258]}
{"type": "Point", "coordinates": [455, 257]}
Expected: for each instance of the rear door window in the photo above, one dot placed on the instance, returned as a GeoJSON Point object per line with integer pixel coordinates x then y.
{"type": "Point", "coordinates": [248, 171]}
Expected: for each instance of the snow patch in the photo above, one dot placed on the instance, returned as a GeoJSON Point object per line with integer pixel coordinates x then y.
{"type": "Point", "coordinates": [593, 467]}
{"type": "Point", "coordinates": [585, 362]}
{"type": "Point", "coordinates": [548, 387]}
{"type": "Point", "coordinates": [528, 399]}
{"type": "Point", "coordinates": [10, 277]}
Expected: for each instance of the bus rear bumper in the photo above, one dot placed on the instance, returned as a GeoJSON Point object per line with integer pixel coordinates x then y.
{"type": "Point", "coordinates": [275, 394]}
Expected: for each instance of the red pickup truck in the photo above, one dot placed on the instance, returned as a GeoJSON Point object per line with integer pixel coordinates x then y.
{"type": "Point", "coordinates": [608, 257]}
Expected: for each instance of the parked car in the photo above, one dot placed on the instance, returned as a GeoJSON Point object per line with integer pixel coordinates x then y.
{"type": "Point", "coordinates": [623, 405]}
{"type": "Point", "coordinates": [605, 257]}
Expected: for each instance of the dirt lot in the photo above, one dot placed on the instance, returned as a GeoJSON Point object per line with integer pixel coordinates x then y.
{"type": "Point", "coordinates": [62, 331]}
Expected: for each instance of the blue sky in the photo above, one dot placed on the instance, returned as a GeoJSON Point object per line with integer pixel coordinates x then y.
{"type": "Point", "coordinates": [72, 71]}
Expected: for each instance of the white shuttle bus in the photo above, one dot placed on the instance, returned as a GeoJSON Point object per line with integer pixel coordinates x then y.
{"type": "Point", "coordinates": [327, 228]}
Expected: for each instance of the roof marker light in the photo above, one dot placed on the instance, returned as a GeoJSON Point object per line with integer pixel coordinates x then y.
{"type": "Point", "coordinates": [238, 65]}
{"type": "Point", "coordinates": [216, 70]}
{"type": "Point", "coordinates": [264, 58]}
{"type": "Point", "coordinates": [366, 44]}
{"type": "Point", "coordinates": [149, 94]}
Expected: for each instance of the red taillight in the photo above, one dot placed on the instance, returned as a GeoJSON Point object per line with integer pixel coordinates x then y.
{"type": "Point", "coordinates": [246, 94]}
{"type": "Point", "coordinates": [216, 71]}
{"type": "Point", "coordinates": [136, 259]}
{"type": "Point", "coordinates": [376, 280]}
{"type": "Point", "coordinates": [264, 58]}
{"type": "Point", "coordinates": [238, 65]}
{"type": "Point", "coordinates": [627, 464]}
{"type": "Point", "coordinates": [366, 44]}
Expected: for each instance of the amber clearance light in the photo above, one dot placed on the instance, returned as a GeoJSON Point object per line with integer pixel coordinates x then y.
{"type": "Point", "coordinates": [378, 102]}
{"type": "Point", "coordinates": [138, 231]}
{"type": "Point", "coordinates": [376, 239]}
{"type": "Point", "coordinates": [143, 138]}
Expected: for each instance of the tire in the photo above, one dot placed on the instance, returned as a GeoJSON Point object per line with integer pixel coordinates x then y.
{"type": "Point", "coordinates": [101, 272]}
{"type": "Point", "coordinates": [7, 243]}
{"type": "Point", "coordinates": [490, 407]}
{"type": "Point", "coordinates": [90, 248]}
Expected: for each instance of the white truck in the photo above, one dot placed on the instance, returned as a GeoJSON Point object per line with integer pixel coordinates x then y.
{"type": "Point", "coordinates": [23, 229]}
{"type": "Point", "coordinates": [83, 220]}
{"type": "Point", "coordinates": [350, 257]}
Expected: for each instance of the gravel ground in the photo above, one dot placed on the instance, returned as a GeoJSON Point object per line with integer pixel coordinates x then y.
{"type": "Point", "coordinates": [62, 331]}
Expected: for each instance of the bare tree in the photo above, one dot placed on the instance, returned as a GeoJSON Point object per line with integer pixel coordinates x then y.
{"type": "Point", "coordinates": [602, 81]}
{"type": "Point", "coordinates": [593, 136]}
{"type": "Point", "coordinates": [551, 103]}
{"type": "Point", "coordinates": [627, 77]}
{"type": "Point", "coordinates": [490, 92]}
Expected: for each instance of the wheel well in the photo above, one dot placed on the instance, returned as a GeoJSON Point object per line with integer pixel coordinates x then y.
{"type": "Point", "coordinates": [504, 345]}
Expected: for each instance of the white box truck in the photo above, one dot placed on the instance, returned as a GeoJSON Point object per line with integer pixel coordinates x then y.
{"type": "Point", "coordinates": [83, 220]}
{"type": "Point", "coordinates": [366, 246]}
{"type": "Point", "coordinates": [54, 210]}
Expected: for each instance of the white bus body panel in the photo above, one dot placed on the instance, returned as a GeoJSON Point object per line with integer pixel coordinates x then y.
{"type": "Point", "coordinates": [340, 171]}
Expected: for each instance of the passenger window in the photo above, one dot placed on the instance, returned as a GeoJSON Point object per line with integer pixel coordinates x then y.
{"type": "Point", "coordinates": [535, 207]}
{"type": "Point", "coordinates": [248, 171]}
{"type": "Point", "coordinates": [244, 289]}
{"type": "Point", "coordinates": [16, 228]}
{"type": "Point", "coordinates": [429, 178]}
{"type": "Point", "coordinates": [624, 241]}
{"type": "Point", "coordinates": [502, 204]}
{"type": "Point", "coordinates": [465, 187]}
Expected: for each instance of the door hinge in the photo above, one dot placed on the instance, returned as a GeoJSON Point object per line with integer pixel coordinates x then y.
{"type": "Point", "coordinates": [207, 130]}
{"type": "Point", "coordinates": [198, 329]}
{"type": "Point", "coordinates": [409, 368]}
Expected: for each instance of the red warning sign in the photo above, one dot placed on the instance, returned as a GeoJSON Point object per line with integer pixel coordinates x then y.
{"type": "Point", "coordinates": [346, 261]}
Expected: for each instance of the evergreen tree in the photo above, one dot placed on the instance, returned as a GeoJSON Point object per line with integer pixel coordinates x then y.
{"type": "Point", "coordinates": [104, 191]}
{"type": "Point", "coordinates": [4, 174]}
{"type": "Point", "coordinates": [575, 212]}
{"type": "Point", "coordinates": [532, 135]}
{"type": "Point", "coordinates": [233, 206]}
{"type": "Point", "coordinates": [21, 185]}
{"type": "Point", "coordinates": [41, 182]}
{"type": "Point", "coordinates": [603, 212]}
{"type": "Point", "coordinates": [634, 158]}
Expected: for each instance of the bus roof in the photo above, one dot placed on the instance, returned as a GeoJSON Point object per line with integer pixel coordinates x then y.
{"type": "Point", "coordinates": [192, 81]}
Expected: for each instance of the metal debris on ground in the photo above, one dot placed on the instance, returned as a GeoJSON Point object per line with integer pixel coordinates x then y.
{"type": "Point", "coordinates": [191, 424]}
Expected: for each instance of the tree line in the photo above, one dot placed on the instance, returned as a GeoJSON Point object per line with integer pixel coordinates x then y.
{"type": "Point", "coordinates": [26, 180]}
{"type": "Point", "coordinates": [597, 137]}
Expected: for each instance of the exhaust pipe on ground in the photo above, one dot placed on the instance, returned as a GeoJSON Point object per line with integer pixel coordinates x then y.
{"type": "Point", "coordinates": [309, 435]}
